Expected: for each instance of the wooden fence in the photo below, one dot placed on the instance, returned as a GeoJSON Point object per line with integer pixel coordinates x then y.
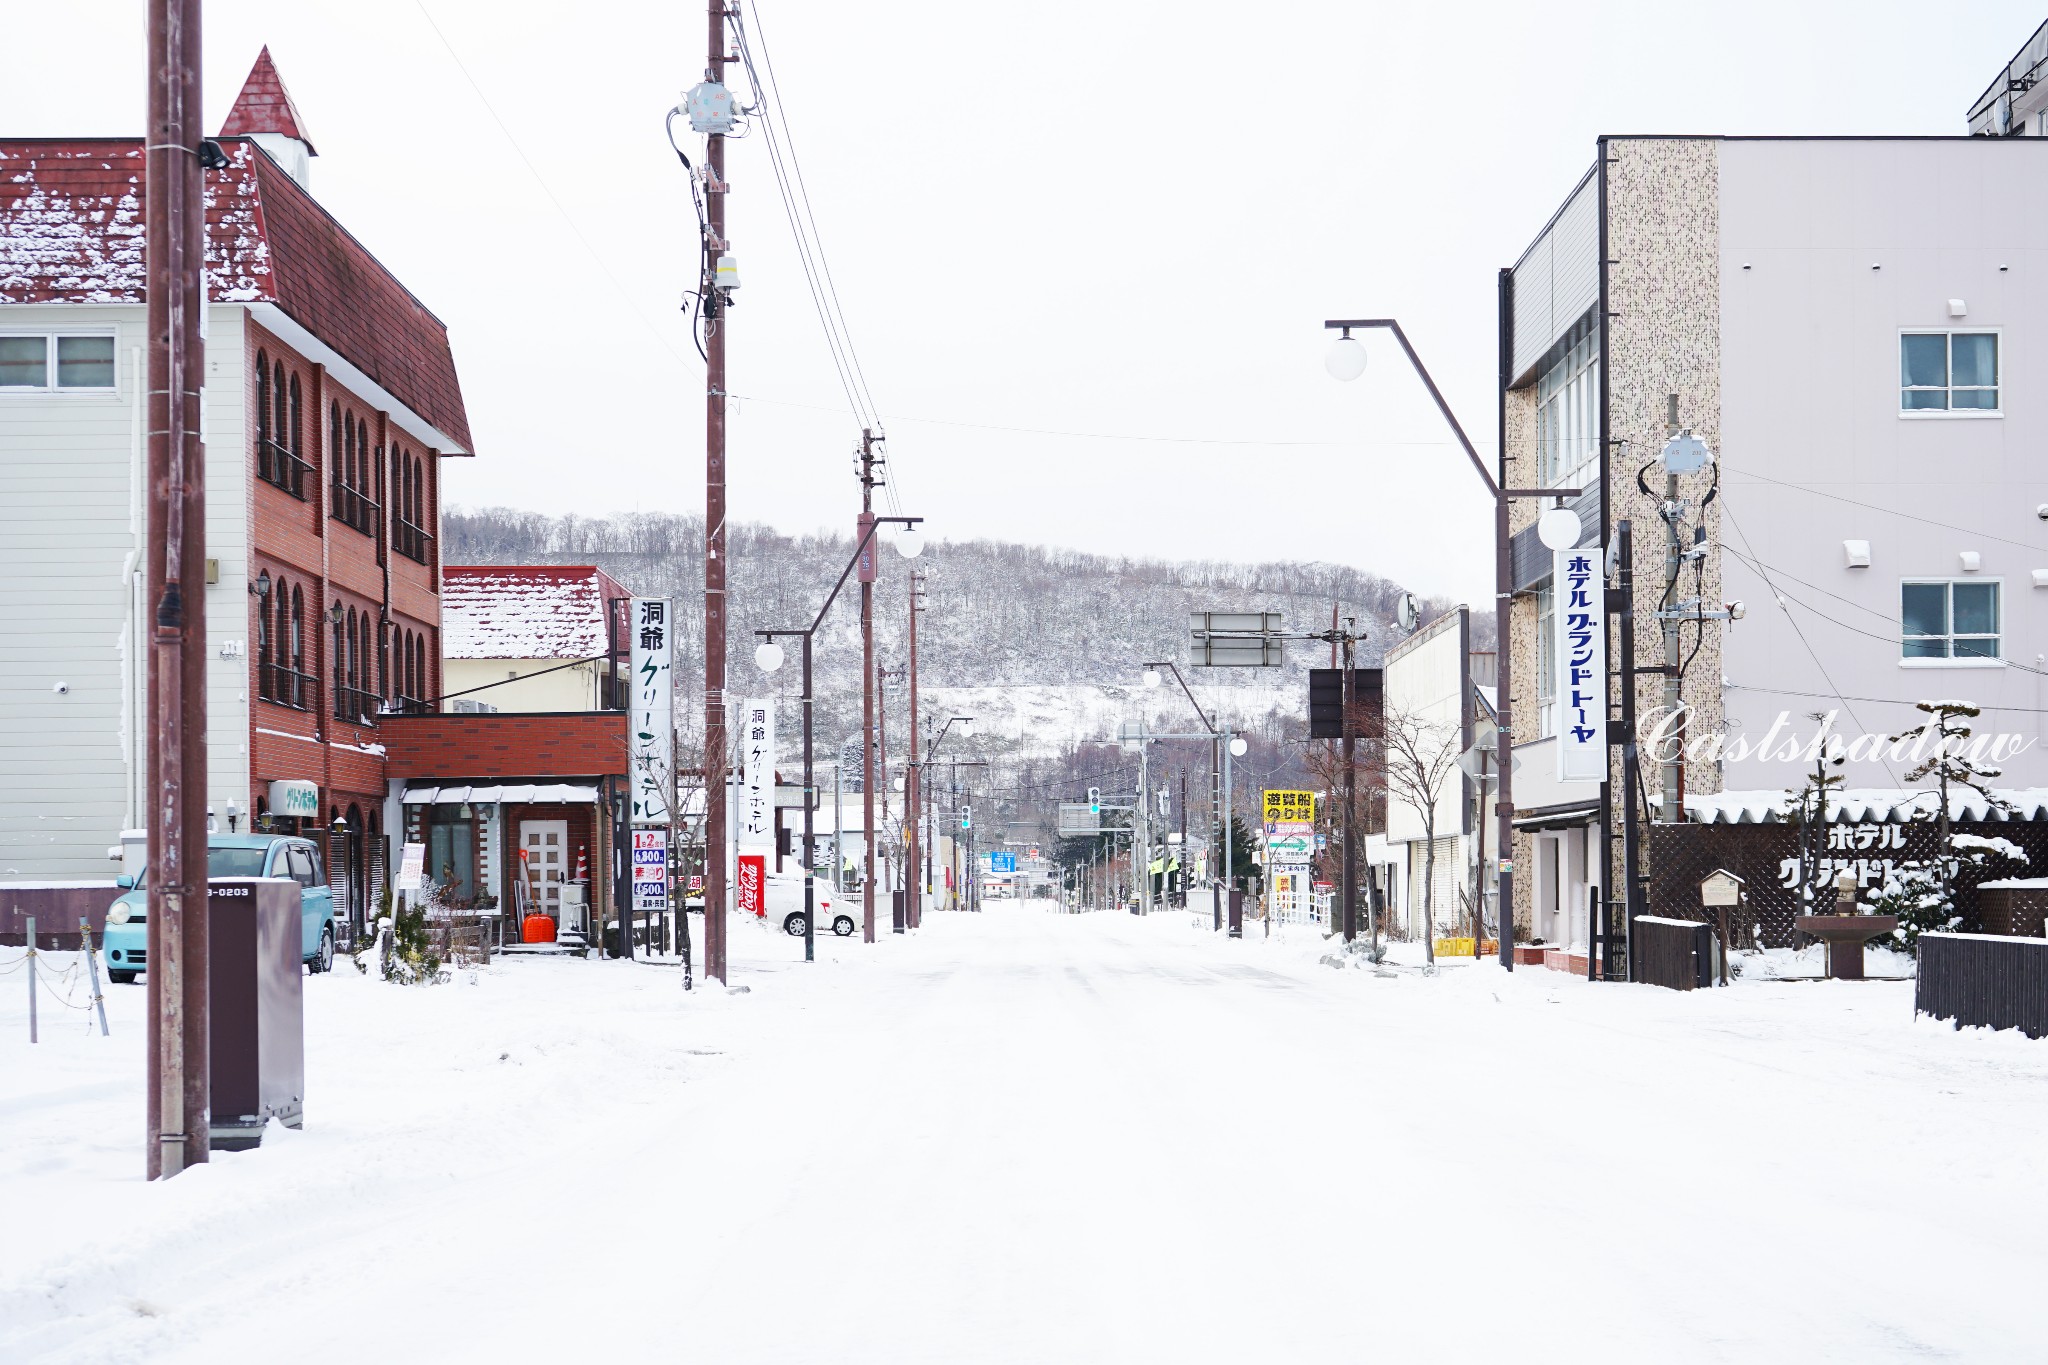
{"type": "Point", "coordinates": [1984, 981]}
{"type": "Point", "coordinates": [1678, 953]}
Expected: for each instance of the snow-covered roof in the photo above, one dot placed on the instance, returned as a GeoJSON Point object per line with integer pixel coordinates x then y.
{"type": "Point", "coordinates": [525, 611]}
{"type": "Point", "coordinates": [1863, 805]}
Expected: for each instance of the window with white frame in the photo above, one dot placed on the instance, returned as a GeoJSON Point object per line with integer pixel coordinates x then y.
{"type": "Point", "coordinates": [56, 361]}
{"type": "Point", "coordinates": [1568, 417]}
{"type": "Point", "coordinates": [1948, 372]}
{"type": "Point", "coordinates": [1949, 619]}
{"type": "Point", "coordinates": [1546, 666]}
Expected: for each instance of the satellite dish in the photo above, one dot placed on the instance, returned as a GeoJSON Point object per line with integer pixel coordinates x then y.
{"type": "Point", "coordinates": [1407, 613]}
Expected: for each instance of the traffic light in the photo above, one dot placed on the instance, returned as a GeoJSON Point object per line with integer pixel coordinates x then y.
{"type": "Point", "coordinates": [967, 817]}
{"type": "Point", "coordinates": [1095, 800]}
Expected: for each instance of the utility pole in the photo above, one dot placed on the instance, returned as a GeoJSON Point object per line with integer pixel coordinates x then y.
{"type": "Point", "coordinates": [174, 245]}
{"type": "Point", "coordinates": [913, 780]}
{"type": "Point", "coordinates": [1673, 773]}
{"type": "Point", "coordinates": [715, 191]}
{"type": "Point", "coordinates": [867, 682]}
{"type": "Point", "coordinates": [1631, 757]}
{"type": "Point", "coordinates": [1350, 744]}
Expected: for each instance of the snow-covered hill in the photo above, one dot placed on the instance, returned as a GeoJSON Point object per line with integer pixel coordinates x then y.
{"type": "Point", "coordinates": [1044, 646]}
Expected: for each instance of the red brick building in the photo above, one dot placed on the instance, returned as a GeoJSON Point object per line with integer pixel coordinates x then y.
{"type": "Point", "coordinates": [331, 398]}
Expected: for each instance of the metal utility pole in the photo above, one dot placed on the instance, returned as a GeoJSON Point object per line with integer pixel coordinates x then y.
{"type": "Point", "coordinates": [913, 811]}
{"type": "Point", "coordinates": [867, 686]}
{"type": "Point", "coordinates": [1672, 775]}
{"type": "Point", "coordinates": [174, 247]}
{"type": "Point", "coordinates": [715, 191]}
{"type": "Point", "coordinates": [1631, 757]}
{"type": "Point", "coordinates": [1350, 743]}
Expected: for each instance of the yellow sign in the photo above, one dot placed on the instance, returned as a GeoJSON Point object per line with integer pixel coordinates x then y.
{"type": "Point", "coordinates": [1283, 806]}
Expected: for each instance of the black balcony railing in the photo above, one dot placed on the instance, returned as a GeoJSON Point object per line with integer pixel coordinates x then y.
{"type": "Point", "coordinates": [353, 509]}
{"type": "Point", "coordinates": [281, 468]}
{"type": "Point", "coordinates": [410, 540]}
{"type": "Point", "coordinates": [355, 704]}
{"type": "Point", "coordinates": [285, 686]}
{"type": "Point", "coordinates": [411, 706]}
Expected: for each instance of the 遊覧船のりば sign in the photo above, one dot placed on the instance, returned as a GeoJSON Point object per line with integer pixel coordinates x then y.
{"type": "Point", "coordinates": [651, 722]}
{"type": "Point", "coordinates": [1579, 590]}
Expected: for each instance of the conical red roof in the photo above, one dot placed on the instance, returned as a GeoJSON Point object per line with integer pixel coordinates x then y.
{"type": "Point", "coordinates": [265, 106]}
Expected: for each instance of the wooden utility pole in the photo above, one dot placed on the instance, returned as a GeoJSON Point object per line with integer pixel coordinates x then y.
{"type": "Point", "coordinates": [913, 779]}
{"type": "Point", "coordinates": [867, 681]}
{"type": "Point", "coordinates": [174, 251]}
{"type": "Point", "coordinates": [714, 524]}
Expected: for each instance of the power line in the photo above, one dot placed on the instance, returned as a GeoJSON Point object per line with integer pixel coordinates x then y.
{"type": "Point", "coordinates": [1888, 511]}
{"type": "Point", "coordinates": [1877, 701]}
{"type": "Point", "coordinates": [1728, 511]}
{"type": "Point", "coordinates": [1112, 435]}
{"type": "Point", "coordinates": [597, 258]}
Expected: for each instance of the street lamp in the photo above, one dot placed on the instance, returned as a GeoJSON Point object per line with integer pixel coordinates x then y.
{"type": "Point", "coordinates": [1223, 746]}
{"type": "Point", "coordinates": [768, 656]}
{"type": "Point", "coordinates": [1346, 360]}
{"type": "Point", "coordinates": [1351, 368]}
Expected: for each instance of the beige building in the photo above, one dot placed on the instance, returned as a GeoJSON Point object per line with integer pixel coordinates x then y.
{"type": "Point", "coordinates": [532, 638]}
{"type": "Point", "coordinates": [1846, 324]}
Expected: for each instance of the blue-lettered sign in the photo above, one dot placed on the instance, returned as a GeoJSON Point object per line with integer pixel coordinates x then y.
{"type": "Point", "coordinates": [1579, 590]}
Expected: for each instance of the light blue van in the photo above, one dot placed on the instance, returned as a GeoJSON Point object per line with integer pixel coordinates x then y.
{"type": "Point", "coordinates": [230, 855]}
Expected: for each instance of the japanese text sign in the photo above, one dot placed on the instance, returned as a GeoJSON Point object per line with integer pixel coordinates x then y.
{"type": "Point", "coordinates": [650, 707]}
{"type": "Point", "coordinates": [754, 822]}
{"type": "Point", "coordinates": [1290, 805]}
{"type": "Point", "coordinates": [650, 870]}
{"type": "Point", "coordinates": [1579, 590]}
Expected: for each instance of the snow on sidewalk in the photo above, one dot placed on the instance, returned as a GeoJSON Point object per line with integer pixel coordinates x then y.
{"type": "Point", "coordinates": [1019, 1136]}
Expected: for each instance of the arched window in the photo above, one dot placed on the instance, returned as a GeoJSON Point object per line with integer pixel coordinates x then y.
{"type": "Point", "coordinates": [280, 420]}
{"type": "Point", "coordinates": [340, 671]}
{"type": "Point", "coordinates": [265, 648]}
{"type": "Point", "coordinates": [419, 667]}
{"type": "Point", "coordinates": [296, 435]}
{"type": "Point", "coordinates": [263, 432]}
{"type": "Point", "coordinates": [294, 638]}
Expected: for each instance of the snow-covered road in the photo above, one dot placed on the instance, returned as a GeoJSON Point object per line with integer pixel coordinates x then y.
{"type": "Point", "coordinates": [1021, 1136]}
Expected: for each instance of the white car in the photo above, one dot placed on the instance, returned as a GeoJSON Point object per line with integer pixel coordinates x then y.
{"type": "Point", "coordinates": [786, 900]}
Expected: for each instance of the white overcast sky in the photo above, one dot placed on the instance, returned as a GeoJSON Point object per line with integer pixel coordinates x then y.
{"type": "Point", "coordinates": [1117, 218]}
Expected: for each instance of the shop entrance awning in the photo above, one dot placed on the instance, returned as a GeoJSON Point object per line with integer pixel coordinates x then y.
{"type": "Point", "coordinates": [556, 793]}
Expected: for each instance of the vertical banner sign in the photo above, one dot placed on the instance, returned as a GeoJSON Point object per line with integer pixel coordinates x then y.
{"type": "Point", "coordinates": [651, 716]}
{"type": "Point", "coordinates": [650, 870]}
{"type": "Point", "coordinates": [755, 824]}
{"type": "Point", "coordinates": [751, 885]}
{"type": "Point", "coordinates": [1579, 587]}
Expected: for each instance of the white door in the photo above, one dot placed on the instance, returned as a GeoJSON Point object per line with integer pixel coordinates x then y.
{"type": "Point", "coordinates": [544, 846]}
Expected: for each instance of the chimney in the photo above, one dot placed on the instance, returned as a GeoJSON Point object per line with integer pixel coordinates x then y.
{"type": "Point", "coordinates": [263, 112]}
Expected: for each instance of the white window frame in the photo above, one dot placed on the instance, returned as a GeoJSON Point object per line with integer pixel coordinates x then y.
{"type": "Point", "coordinates": [1546, 661]}
{"type": "Point", "coordinates": [1952, 661]}
{"type": "Point", "coordinates": [1949, 413]}
{"type": "Point", "coordinates": [50, 338]}
{"type": "Point", "coordinates": [1567, 410]}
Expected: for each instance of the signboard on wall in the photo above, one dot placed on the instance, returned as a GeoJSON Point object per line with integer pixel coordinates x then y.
{"type": "Point", "coordinates": [751, 885]}
{"type": "Point", "coordinates": [295, 798]}
{"type": "Point", "coordinates": [651, 711]}
{"type": "Point", "coordinates": [754, 822]}
{"type": "Point", "coordinates": [650, 870]}
{"type": "Point", "coordinates": [1579, 586]}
